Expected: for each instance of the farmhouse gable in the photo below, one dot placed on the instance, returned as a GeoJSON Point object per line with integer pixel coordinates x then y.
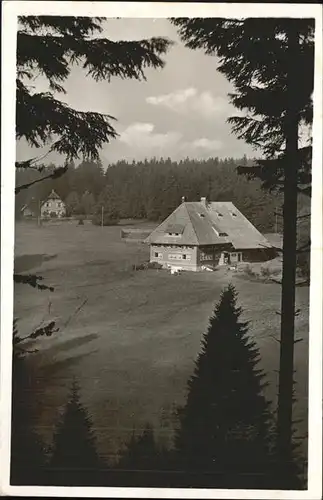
{"type": "Point", "coordinates": [53, 206]}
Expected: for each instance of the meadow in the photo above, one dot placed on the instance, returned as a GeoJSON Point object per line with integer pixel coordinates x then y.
{"type": "Point", "coordinates": [129, 337]}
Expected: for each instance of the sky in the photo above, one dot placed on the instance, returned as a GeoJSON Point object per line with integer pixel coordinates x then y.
{"type": "Point", "coordinates": [179, 111]}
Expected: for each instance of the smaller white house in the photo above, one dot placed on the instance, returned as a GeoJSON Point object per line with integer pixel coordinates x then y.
{"type": "Point", "coordinates": [52, 207]}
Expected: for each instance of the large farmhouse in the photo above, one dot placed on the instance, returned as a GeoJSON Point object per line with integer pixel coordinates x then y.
{"type": "Point", "coordinates": [207, 234]}
{"type": "Point", "coordinates": [53, 206]}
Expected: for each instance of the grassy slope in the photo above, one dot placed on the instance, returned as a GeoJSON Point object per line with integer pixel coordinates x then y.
{"type": "Point", "coordinates": [132, 345]}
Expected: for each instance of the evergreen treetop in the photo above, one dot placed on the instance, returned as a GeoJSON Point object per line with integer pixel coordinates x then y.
{"type": "Point", "coordinates": [225, 426]}
{"type": "Point", "coordinates": [74, 443]}
{"type": "Point", "coordinates": [141, 452]}
{"type": "Point", "coordinates": [255, 55]}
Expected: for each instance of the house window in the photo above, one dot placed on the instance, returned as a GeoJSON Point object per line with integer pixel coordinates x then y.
{"type": "Point", "coordinates": [223, 234]}
{"type": "Point", "coordinates": [175, 256]}
{"type": "Point", "coordinates": [158, 255]}
{"type": "Point", "coordinates": [233, 255]}
{"type": "Point", "coordinates": [184, 256]}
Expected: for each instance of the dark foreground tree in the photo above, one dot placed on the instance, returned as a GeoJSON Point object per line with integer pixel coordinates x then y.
{"type": "Point", "coordinates": [225, 427]}
{"type": "Point", "coordinates": [261, 58]}
{"type": "Point", "coordinates": [28, 453]}
{"type": "Point", "coordinates": [74, 459]}
{"type": "Point", "coordinates": [142, 452]}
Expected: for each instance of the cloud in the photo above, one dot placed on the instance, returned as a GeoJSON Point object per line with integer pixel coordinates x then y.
{"type": "Point", "coordinates": [174, 100]}
{"type": "Point", "coordinates": [207, 144]}
{"type": "Point", "coordinates": [189, 100]}
{"type": "Point", "coordinates": [142, 136]}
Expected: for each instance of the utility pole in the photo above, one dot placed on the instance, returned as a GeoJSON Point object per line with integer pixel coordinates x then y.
{"type": "Point", "coordinates": [102, 211]}
{"type": "Point", "coordinates": [39, 213]}
{"type": "Point", "coordinates": [286, 364]}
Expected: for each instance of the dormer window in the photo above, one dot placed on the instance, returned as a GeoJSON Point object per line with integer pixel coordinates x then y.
{"type": "Point", "coordinates": [223, 234]}
{"type": "Point", "coordinates": [219, 214]}
{"type": "Point", "coordinates": [233, 214]}
{"type": "Point", "coordinates": [202, 215]}
{"type": "Point", "coordinates": [175, 230]}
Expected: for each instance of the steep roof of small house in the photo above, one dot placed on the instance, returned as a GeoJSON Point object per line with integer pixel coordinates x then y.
{"type": "Point", "coordinates": [209, 224]}
{"type": "Point", "coordinates": [53, 196]}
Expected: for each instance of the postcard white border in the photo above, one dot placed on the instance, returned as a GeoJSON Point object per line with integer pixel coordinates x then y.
{"type": "Point", "coordinates": [10, 11]}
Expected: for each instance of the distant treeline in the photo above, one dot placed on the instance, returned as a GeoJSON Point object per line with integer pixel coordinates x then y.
{"type": "Point", "coordinates": [152, 189]}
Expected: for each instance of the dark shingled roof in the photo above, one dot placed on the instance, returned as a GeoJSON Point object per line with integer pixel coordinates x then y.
{"type": "Point", "coordinates": [207, 224]}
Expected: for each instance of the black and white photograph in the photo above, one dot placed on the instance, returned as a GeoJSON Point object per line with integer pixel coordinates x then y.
{"type": "Point", "coordinates": [161, 298]}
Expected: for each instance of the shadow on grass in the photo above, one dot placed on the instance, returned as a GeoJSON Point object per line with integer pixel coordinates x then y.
{"type": "Point", "coordinates": [72, 343]}
{"type": "Point", "coordinates": [49, 370]}
{"type": "Point", "coordinates": [25, 262]}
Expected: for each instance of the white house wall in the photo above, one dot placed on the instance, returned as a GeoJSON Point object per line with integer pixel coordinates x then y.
{"type": "Point", "coordinates": [56, 206]}
{"type": "Point", "coordinates": [168, 255]}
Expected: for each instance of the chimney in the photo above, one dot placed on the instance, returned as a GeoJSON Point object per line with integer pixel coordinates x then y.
{"type": "Point", "coordinates": [203, 200]}
{"type": "Point", "coordinates": [183, 199]}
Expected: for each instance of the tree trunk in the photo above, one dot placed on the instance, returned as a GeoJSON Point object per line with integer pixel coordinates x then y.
{"type": "Point", "coordinates": [285, 394]}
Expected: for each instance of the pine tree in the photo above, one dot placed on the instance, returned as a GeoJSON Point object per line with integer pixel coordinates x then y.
{"type": "Point", "coordinates": [28, 452]}
{"type": "Point", "coordinates": [106, 211]}
{"type": "Point", "coordinates": [87, 203]}
{"type": "Point", "coordinates": [142, 452]}
{"type": "Point", "coordinates": [74, 458]}
{"type": "Point", "coordinates": [225, 426]}
{"type": "Point", "coordinates": [261, 58]}
{"type": "Point", "coordinates": [72, 203]}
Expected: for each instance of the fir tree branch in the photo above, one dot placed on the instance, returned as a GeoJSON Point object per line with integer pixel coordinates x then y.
{"type": "Point", "coordinates": [29, 163]}
{"type": "Point", "coordinates": [39, 116]}
{"type": "Point", "coordinates": [70, 40]}
{"type": "Point", "coordinates": [58, 172]}
{"type": "Point", "coordinates": [42, 331]}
